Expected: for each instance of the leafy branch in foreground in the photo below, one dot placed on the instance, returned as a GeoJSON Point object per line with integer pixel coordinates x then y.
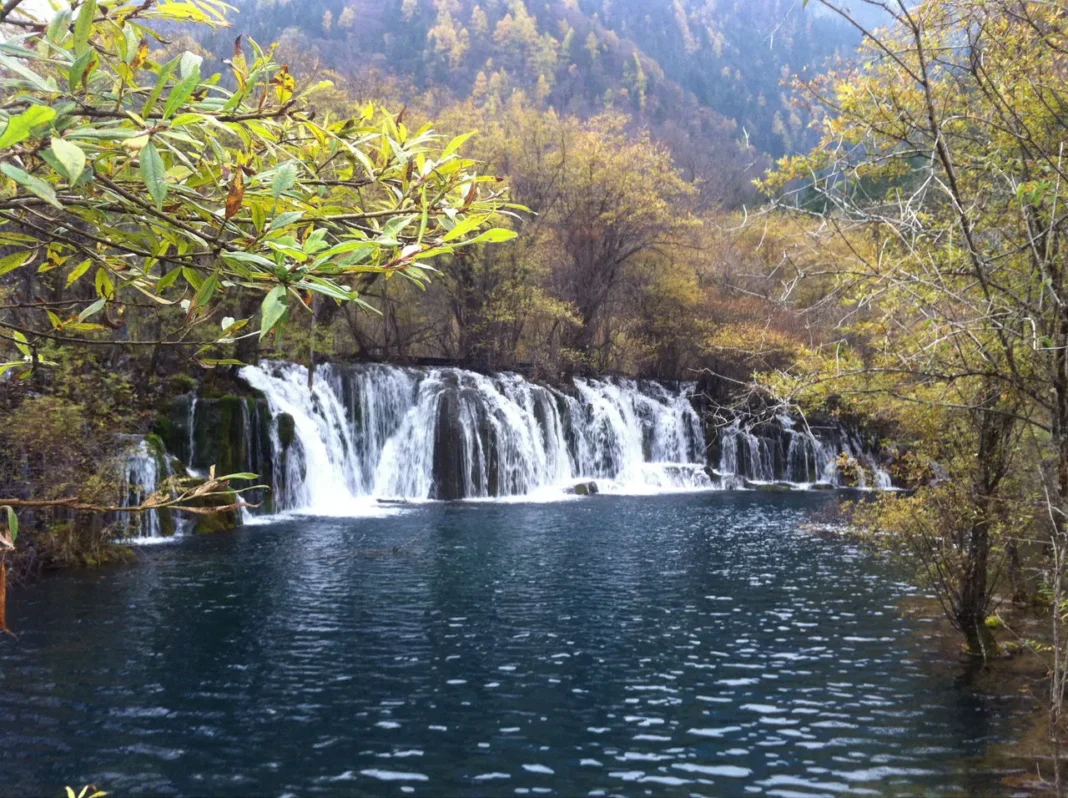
{"type": "Point", "coordinates": [140, 176]}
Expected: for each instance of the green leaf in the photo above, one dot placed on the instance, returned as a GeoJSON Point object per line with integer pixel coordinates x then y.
{"type": "Point", "coordinates": [12, 523]}
{"type": "Point", "coordinates": [167, 280]}
{"type": "Point", "coordinates": [59, 26]}
{"type": "Point", "coordinates": [34, 184]}
{"type": "Point", "coordinates": [19, 127]}
{"type": "Point", "coordinates": [327, 288]}
{"type": "Point", "coordinates": [154, 174]}
{"type": "Point", "coordinates": [41, 84]}
{"type": "Point", "coordinates": [22, 344]}
{"type": "Point", "coordinates": [77, 69]}
{"type": "Point", "coordinates": [207, 290]}
{"type": "Point", "coordinates": [283, 219]}
{"type": "Point", "coordinates": [274, 307]}
{"type": "Point", "coordinates": [104, 287]}
{"type": "Point", "coordinates": [496, 235]}
{"type": "Point", "coordinates": [465, 226]}
{"type": "Point", "coordinates": [157, 90]}
{"type": "Point", "coordinates": [84, 26]}
{"type": "Point", "coordinates": [248, 257]}
{"type": "Point", "coordinates": [71, 156]}
{"type": "Point", "coordinates": [284, 179]}
{"type": "Point", "coordinates": [78, 271]}
{"type": "Point", "coordinates": [192, 277]}
{"type": "Point", "coordinates": [391, 228]}
{"type": "Point", "coordinates": [92, 309]}
{"type": "Point", "coordinates": [12, 262]}
{"type": "Point", "coordinates": [180, 93]}
{"type": "Point", "coordinates": [456, 144]}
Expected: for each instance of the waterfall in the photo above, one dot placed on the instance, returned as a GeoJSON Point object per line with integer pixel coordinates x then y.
{"type": "Point", "coordinates": [641, 435]}
{"type": "Point", "coordinates": [145, 466]}
{"type": "Point", "coordinates": [808, 459]}
{"type": "Point", "coordinates": [191, 425]}
{"type": "Point", "coordinates": [140, 479]}
{"type": "Point", "coordinates": [324, 474]}
{"type": "Point", "coordinates": [745, 454]}
{"type": "Point", "coordinates": [781, 451]}
{"type": "Point", "coordinates": [371, 431]}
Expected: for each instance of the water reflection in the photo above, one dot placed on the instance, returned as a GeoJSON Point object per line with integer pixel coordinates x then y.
{"type": "Point", "coordinates": [670, 645]}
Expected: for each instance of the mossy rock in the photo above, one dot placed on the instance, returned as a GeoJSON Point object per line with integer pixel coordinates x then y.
{"type": "Point", "coordinates": [584, 489]}
{"type": "Point", "coordinates": [157, 447]}
{"type": "Point", "coordinates": [164, 430]}
{"type": "Point", "coordinates": [823, 486]}
{"type": "Point", "coordinates": [287, 430]}
{"type": "Point", "coordinates": [222, 521]}
{"type": "Point", "coordinates": [182, 383]}
{"type": "Point", "coordinates": [217, 522]}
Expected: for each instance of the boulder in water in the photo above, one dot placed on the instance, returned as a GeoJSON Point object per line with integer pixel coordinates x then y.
{"type": "Point", "coordinates": [823, 486]}
{"type": "Point", "coordinates": [583, 489]}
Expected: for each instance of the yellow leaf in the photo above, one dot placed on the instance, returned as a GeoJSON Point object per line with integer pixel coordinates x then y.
{"type": "Point", "coordinates": [284, 83]}
{"type": "Point", "coordinates": [140, 56]}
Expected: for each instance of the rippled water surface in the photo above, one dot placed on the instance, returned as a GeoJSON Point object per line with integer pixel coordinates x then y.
{"type": "Point", "coordinates": [639, 646]}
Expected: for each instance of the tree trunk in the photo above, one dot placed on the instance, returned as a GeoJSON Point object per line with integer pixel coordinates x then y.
{"type": "Point", "coordinates": [972, 610]}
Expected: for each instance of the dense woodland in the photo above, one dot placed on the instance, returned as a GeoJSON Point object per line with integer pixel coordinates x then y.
{"type": "Point", "coordinates": [712, 189]}
{"type": "Point", "coordinates": [635, 172]}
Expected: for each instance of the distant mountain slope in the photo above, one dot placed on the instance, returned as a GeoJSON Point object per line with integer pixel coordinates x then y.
{"type": "Point", "coordinates": [704, 75]}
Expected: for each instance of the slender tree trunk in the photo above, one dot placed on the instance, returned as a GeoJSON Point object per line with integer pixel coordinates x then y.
{"type": "Point", "coordinates": [1016, 572]}
{"type": "Point", "coordinates": [972, 611]}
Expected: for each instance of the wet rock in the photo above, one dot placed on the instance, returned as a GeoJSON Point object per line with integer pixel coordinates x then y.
{"type": "Point", "coordinates": [222, 521]}
{"type": "Point", "coordinates": [583, 489]}
{"type": "Point", "coordinates": [287, 430]}
{"type": "Point", "coordinates": [716, 475]}
{"type": "Point", "coordinates": [448, 450]}
{"type": "Point", "coordinates": [823, 486]}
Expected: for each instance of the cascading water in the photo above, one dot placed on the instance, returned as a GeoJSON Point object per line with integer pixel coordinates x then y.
{"type": "Point", "coordinates": [745, 454]}
{"type": "Point", "coordinates": [641, 434]}
{"type": "Point", "coordinates": [191, 425]}
{"type": "Point", "coordinates": [144, 469]}
{"type": "Point", "coordinates": [395, 433]}
{"type": "Point", "coordinates": [781, 451]}
{"type": "Point", "coordinates": [808, 459]}
{"type": "Point", "coordinates": [140, 479]}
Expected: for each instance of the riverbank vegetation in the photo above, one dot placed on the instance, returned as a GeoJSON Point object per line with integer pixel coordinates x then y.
{"type": "Point", "coordinates": [941, 171]}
